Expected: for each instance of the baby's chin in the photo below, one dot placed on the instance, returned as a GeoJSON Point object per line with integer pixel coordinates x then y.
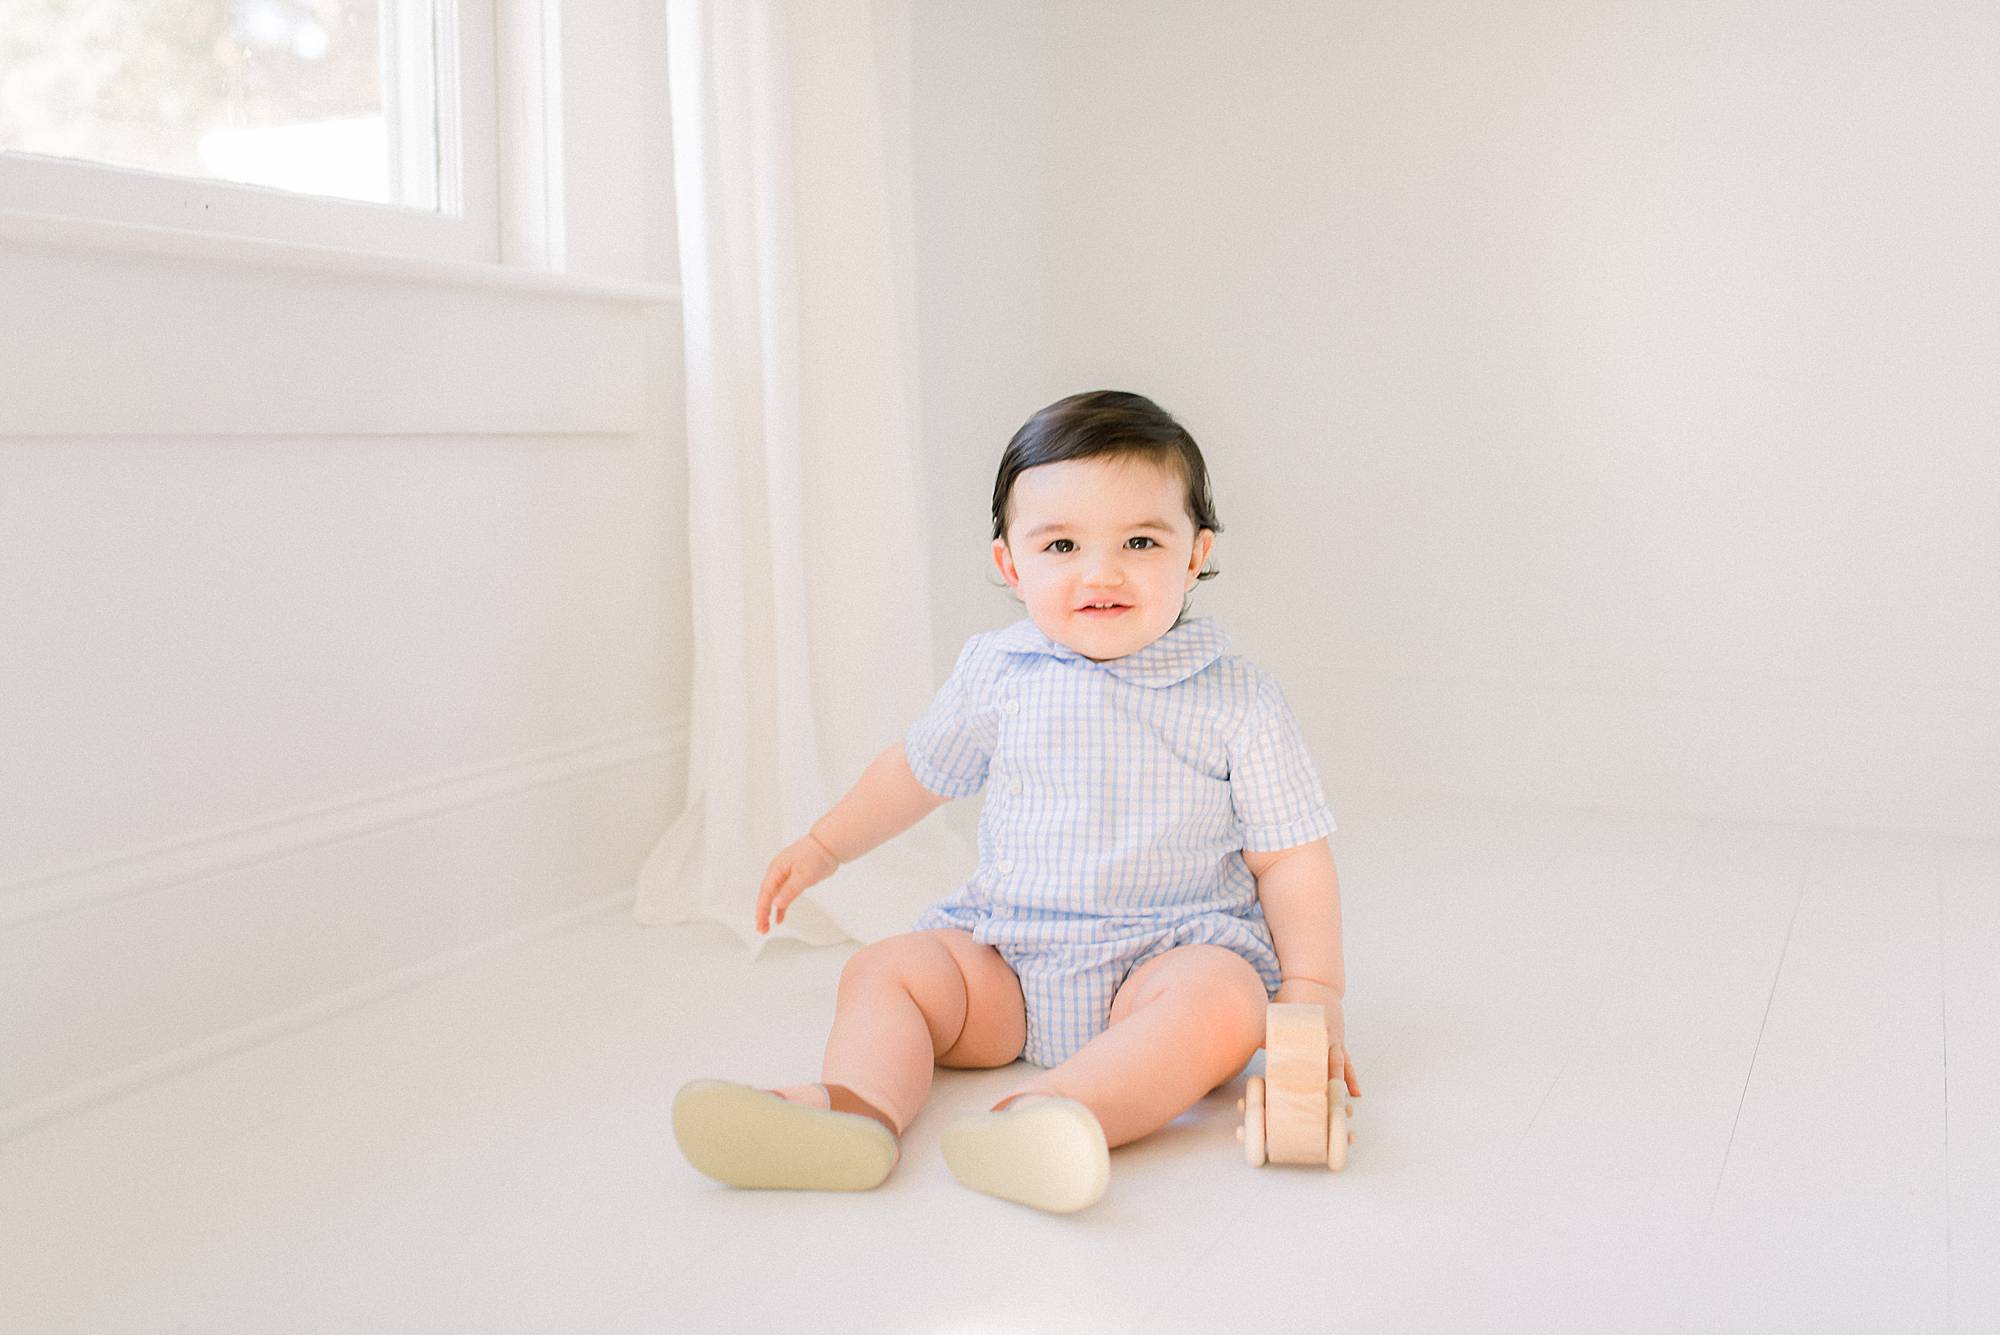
{"type": "Point", "coordinates": [1106, 641]}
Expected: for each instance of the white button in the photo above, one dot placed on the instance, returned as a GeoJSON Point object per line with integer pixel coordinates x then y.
{"type": "Point", "coordinates": [1012, 706]}
{"type": "Point", "coordinates": [1005, 868]}
{"type": "Point", "coordinates": [1015, 787]}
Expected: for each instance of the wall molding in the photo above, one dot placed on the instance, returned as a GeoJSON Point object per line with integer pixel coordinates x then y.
{"type": "Point", "coordinates": [1828, 691]}
{"type": "Point", "coordinates": [138, 967]}
{"type": "Point", "coordinates": [169, 863]}
{"type": "Point", "coordinates": [1765, 747]}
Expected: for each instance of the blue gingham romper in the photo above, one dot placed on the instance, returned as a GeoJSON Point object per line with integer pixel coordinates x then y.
{"type": "Point", "coordinates": [1123, 795]}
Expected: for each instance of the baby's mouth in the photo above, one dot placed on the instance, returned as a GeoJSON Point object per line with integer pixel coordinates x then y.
{"type": "Point", "coordinates": [1106, 609]}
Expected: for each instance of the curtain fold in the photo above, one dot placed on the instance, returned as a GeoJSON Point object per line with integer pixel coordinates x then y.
{"type": "Point", "coordinates": [805, 525]}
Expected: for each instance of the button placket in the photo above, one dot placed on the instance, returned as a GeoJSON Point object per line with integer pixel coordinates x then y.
{"type": "Point", "coordinates": [1011, 707]}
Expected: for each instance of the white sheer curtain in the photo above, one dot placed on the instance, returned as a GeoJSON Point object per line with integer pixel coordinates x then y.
{"type": "Point", "coordinates": [805, 525]}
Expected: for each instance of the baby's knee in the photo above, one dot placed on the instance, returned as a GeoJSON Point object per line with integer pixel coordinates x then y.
{"type": "Point", "coordinates": [1233, 1001]}
{"type": "Point", "coordinates": [911, 959]}
{"type": "Point", "coordinates": [917, 966]}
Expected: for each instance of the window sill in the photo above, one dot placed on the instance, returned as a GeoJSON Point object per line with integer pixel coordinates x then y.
{"type": "Point", "coordinates": [120, 330]}
{"type": "Point", "coordinates": [41, 232]}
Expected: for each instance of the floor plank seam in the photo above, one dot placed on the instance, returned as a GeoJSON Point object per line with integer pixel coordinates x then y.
{"type": "Point", "coordinates": [1583, 1035]}
{"type": "Point", "coordinates": [1944, 1061]}
{"type": "Point", "coordinates": [1697, 1245]}
{"type": "Point", "coordinates": [1750, 1071]}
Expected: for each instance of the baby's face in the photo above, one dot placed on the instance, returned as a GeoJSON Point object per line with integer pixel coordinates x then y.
{"type": "Point", "coordinates": [1102, 551]}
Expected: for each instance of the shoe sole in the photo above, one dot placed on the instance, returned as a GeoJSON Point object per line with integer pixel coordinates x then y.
{"type": "Point", "coordinates": [745, 1137]}
{"type": "Point", "coordinates": [1049, 1154]}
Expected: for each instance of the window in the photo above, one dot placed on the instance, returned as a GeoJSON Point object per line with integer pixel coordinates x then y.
{"type": "Point", "coordinates": [363, 124]}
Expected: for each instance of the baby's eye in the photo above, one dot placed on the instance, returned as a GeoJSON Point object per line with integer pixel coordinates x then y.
{"type": "Point", "coordinates": [1060, 545]}
{"type": "Point", "coordinates": [1145, 540]}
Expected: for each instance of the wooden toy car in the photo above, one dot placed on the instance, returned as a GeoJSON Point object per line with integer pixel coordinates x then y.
{"type": "Point", "coordinates": [1293, 1113]}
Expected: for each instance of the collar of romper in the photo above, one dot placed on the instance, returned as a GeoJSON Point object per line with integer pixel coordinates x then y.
{"type": "Point", "coordinates": [1173, 658]}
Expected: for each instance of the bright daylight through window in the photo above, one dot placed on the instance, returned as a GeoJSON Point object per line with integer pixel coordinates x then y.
{"type": "Point", "coordinates": [324, 97]}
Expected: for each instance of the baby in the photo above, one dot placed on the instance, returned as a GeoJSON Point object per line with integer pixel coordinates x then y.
{"type": "Point", "coordinates": [1153, 862]}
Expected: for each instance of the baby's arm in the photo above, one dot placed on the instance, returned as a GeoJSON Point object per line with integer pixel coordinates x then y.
{"type": "Point", "coordinates": [1300, 892]}
{"type": "Point", "coordinates": [883, 803]}
{"type": "Point", "coordinates": [1301, 895]}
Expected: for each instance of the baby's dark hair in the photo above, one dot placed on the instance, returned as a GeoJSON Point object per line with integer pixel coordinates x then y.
{"type": "Point", "coordinates": [1107, 422]}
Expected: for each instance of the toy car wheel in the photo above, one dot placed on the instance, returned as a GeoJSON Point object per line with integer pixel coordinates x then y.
{"type": "Point", "coordinates": [1251, 1133]}
{"type": "Point", "coordinates": [1338, 1137]}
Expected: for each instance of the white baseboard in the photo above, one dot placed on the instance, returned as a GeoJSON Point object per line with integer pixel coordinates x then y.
{"type": "Point", "coordinates": [126, 969]}
{"type": "Point", "coordinates": [299, 829]}
{"type": "Point", "coordinates": [73, 1098]}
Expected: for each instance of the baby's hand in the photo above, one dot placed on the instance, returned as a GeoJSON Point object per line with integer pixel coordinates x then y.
{"type": "Point", "coordinates": [794, 871]}
{"type": "Point", "coordinates": [1338, 1063]}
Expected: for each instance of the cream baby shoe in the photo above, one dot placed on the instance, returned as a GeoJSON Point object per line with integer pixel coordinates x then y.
{"type": "Point", "coordinates": [1043, 1151]}
{"type": "Point", "coordinates": [746, 1137]}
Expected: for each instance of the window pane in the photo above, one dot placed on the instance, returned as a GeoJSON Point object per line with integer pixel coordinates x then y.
{"type": "Point", "coordinates": [326, 97]}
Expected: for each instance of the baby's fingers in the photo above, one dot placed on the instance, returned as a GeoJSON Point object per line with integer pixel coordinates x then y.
{"type": "Point", "coordinates": [1341, 1065]}
{"type": "Point", "coordinates": [794, 886]}
{"type": "Point", "coordinates": [774, 881]}
{"type": "Point", "coordinates": [790, 888]}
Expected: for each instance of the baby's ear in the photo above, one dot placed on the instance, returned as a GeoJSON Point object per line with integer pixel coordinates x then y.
{"type": "Point", "coordinates": [1004, 559]}
{"type": "Point", "coordinates": [1204, 545]}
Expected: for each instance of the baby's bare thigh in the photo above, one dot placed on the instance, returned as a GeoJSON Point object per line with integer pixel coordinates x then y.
{"type": "Point", "coordinates": [996, 1014]}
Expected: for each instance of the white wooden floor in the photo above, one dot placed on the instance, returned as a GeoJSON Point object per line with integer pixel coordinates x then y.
{"type": "Point", "coordinates": [1622, 1074]}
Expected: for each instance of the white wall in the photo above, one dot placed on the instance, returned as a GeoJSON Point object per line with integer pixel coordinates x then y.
{"type": "Point", "coordinates": [1600, 396]}
{"type": "Point", "coordinates": [340, 619]}
{"type": "Point", "coordinates": [1599, 402]}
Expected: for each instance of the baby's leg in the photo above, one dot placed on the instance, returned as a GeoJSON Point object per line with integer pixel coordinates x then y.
{"type": "Point", "coordinates": [1184, 1022]}
{"type": "Point", "coordinates": [904, 1005]}
{"type": "Point", "coordinates": [916, 1001]}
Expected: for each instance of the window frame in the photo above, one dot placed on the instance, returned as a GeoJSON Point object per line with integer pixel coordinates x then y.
{"type": "Point", "coordinates": [466, 228]}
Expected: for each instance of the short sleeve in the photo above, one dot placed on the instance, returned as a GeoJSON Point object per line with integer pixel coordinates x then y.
{"type": "Point", "coordinates": [1272, 782]}
{"type": "Point", "coordinates": [950, 747]}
